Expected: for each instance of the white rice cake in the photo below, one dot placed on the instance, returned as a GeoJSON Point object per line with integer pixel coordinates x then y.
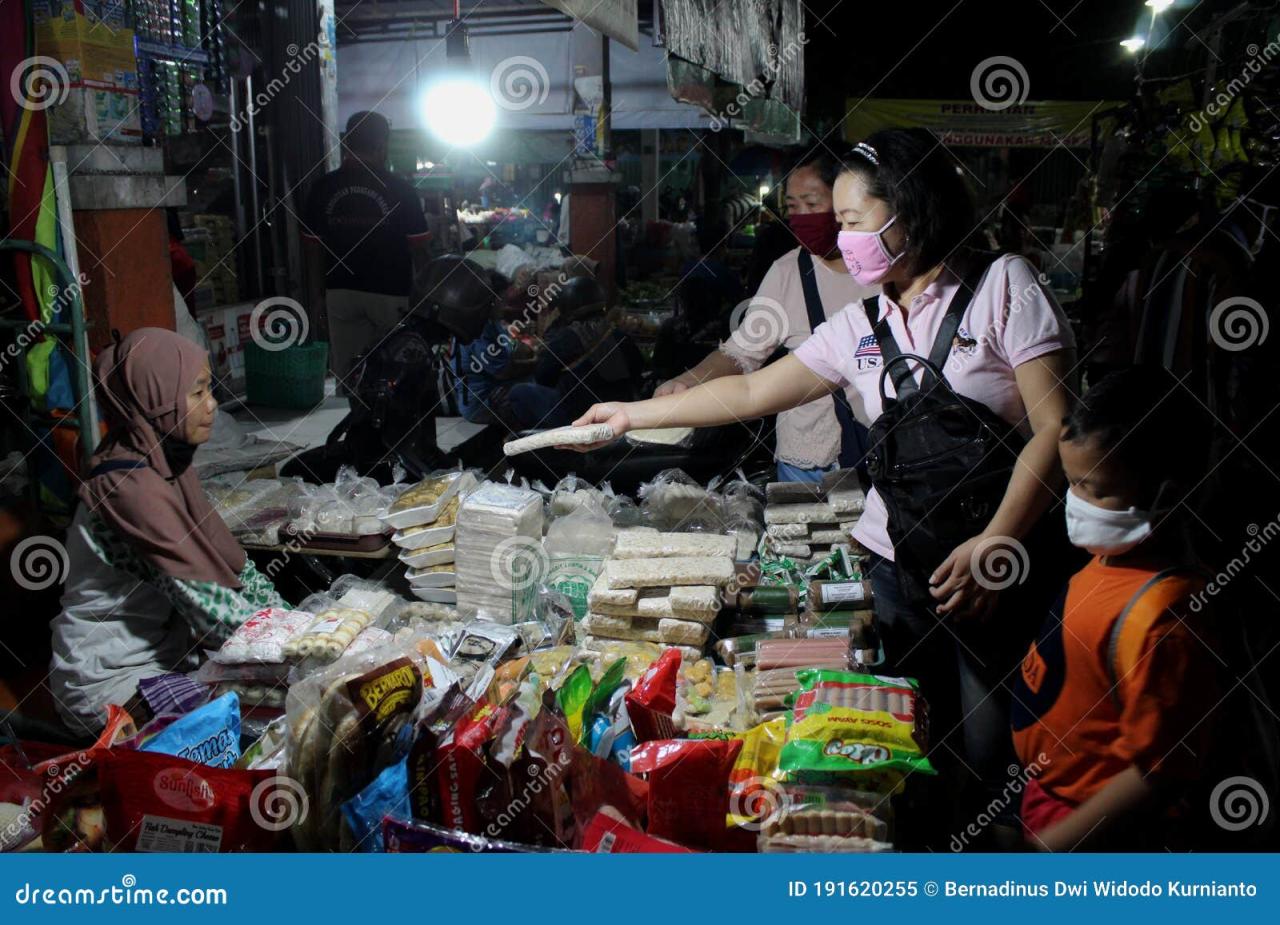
{"type": "Point", "coordinates": [682, 632]}
{"type": "Point", "coordinates": [672, 545]}
{"type": "Point", "coordinates": [792, 550]}
{"type": "Point", "coordinates": [559, 436]}
{"type": "Point", "coordinates": [601, 596]}
{"type": "Point", "coordinates": [660, 573]}
{"type": "Point", "coordinates": [656, 603]}
{"type": "Point", "coordinates": [788, 531]}
{"type": "Point", "coordinates": [816, 512]}
{"type": "Point", "coordinates": [828, 536]}
{"type": "Point", "coordinates": [847, 501]}
{"type": "Point", "coordinates": [603, 626]}
{"type": "Point", "coordinates": [700, 602]}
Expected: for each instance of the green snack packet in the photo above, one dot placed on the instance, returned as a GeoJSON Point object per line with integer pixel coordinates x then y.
{"type": "Point", "coordinates": [848, 723]}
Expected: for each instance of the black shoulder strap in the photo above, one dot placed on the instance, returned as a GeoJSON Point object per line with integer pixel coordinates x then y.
{"type": "Point", "coordinates": [116, 465]}
{"type": "Point", "coordinates": [904, 381]}
{"type": "Point", "coordinates": [853, 443]}
{"type": "Point", "coordinates": [1113, 641]}
{"type": "Point", "coordinates": [956, 309]}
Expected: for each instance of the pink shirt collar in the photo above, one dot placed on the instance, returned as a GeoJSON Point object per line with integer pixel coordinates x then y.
{"type": "Point", "coordinates": [937, 290]}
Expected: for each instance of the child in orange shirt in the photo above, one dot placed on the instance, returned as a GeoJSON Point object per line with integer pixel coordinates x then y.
{"type": "Point", "coordinates": [1110, 709]}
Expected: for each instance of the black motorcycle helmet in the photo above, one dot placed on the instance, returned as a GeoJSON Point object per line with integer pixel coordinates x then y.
{"type": "Point", "coordinates": [581, 297]}
{"type": "Point", "coordinates": [458, 296]}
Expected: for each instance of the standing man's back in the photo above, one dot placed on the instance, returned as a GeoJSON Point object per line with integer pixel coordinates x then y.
{"type": "Point", "coordinates": [365, 229]}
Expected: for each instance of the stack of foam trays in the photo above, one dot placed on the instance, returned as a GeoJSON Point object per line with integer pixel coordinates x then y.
{"type": "Point", "coordinates": [804, 520]}
{"type": "Point", "coordinates": [660, 587]}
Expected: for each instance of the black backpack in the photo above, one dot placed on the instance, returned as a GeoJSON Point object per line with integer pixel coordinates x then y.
{"type": "Point", "coordinates": [940, 461]}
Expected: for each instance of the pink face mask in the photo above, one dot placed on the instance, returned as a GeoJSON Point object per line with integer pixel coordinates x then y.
{"type": "Point", "coordinates": [865, 254]}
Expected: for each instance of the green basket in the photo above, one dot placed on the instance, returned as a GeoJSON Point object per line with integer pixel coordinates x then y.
{"type": "Point", "coordinates": [289, 378]}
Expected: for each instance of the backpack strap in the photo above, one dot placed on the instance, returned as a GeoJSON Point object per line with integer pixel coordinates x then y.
{"type": "Point", "coordinates": [853, 443]}
{"type": "Point", "coordinates": [903, 381]}
{"type": "Point", "coordinates": [1113, 641]}
{"type": "Point", "coordinates": [959, 304]}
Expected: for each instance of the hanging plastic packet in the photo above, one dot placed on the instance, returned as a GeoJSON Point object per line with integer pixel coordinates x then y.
{"type": "Point", "coordinates": [754, 788]}
{"type": "Point", "coordinates": [846, 722]}
{"type": "Point", "coordinates": [387, 795]}
{"type": "Point", "coordinates": [652, 701]}
{"type": "Point", "coordinates": [207, 735]}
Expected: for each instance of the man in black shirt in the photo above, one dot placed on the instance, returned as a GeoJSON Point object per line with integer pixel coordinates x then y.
{"type": "Point", "coordinates": [365, 227]}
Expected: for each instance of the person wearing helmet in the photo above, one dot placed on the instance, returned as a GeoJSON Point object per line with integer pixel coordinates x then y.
{"type": "Point", "coordinates": [583, 357]}
{"type": "Point", "coordinates": [479, 353]}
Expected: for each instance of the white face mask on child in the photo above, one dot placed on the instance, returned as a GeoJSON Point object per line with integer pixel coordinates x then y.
{"type": "Point", "coordinates": [1105, 532]}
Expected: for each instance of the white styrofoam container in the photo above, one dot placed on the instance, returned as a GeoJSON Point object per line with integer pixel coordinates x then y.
{"type": "Point", "coordinates": [415, 558]}
{"type": "Point", "coordinates": [436, 595]}
{"type": "Point", "coordinates": [427, 513]}
{"type": "Point", "coordinates": [432, 536]}
{"type": "Point", "coordinates": [433, 580]}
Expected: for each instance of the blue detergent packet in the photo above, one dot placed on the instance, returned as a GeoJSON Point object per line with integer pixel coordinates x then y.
{"type": "Point", "coordinates": [207, 735]}
{"type": "Point", "coordinates": [387, 795]}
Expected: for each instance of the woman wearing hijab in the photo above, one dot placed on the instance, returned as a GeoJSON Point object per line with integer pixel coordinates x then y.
{"type": "Point", "coordinates": [155, 576]}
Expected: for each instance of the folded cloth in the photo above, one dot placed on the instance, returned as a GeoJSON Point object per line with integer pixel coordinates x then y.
{"type": "Point", "coordinates": [172, 693]}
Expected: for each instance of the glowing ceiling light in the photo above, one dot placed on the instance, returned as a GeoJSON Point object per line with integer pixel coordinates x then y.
{"type": "Point", "coordinates": [1132, 45]}
{"type": "Point", "coordinates": [1159, 6]}
{"type": "Point", "coordinates": [459, 111]}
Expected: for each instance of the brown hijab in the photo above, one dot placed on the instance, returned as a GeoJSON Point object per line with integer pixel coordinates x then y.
{"type": "Point", "coordinates": [159, 508]}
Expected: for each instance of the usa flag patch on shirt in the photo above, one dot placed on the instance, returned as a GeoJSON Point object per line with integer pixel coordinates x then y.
{"type": "Point", "coordinates": [867, 353]}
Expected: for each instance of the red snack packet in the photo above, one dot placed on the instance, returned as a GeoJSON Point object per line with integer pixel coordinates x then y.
{"type": "Point", "coordinates": [606, 835]}
{"type": "Point", "coordinates": [652, 701]}
{"type": "Point", "coordinates": [156, 802]}
{"type": "Point", "coordinates": [598, 783]}
{"type": "Point", "coordinates": [688, 788]}
{"type": "Point", "coordinates": [461, 764]}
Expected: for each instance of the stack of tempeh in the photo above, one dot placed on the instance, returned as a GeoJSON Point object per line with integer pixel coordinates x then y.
{"type": "Point", "coordinates": [661, 587]}
{"type": "Point", "coordinates": [499, 536]}
{"type": "Point", "coordinates": [805, 519]}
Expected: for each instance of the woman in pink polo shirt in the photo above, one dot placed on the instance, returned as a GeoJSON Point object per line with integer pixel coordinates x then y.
{"type": "Point", "coordinates": [906, 217]}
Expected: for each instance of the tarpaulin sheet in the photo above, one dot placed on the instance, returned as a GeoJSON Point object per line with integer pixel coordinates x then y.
{"type": "Point", "coordinates": [752, 43]}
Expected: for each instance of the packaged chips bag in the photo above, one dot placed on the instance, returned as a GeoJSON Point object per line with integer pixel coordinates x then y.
{"type": "Point", "coordinates": [847, 722]}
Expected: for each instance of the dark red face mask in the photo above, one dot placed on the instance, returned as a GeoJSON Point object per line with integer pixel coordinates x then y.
{"type": "Point", "coordinates": [816, 231]}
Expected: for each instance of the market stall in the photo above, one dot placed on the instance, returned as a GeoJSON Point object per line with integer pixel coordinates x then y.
{"type": "Point", "coordinates": [565, 668]}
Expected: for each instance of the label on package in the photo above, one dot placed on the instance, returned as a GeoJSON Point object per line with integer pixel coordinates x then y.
{"type": "Point", "coordinates": [843, 593]}
{"type": "Point", "coordinates": [161, 834]}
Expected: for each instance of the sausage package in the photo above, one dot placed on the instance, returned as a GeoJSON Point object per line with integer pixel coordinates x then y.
{"type": "Point", "coordinates": [158, 802]}
{"type": "Point", "coordinates": [847, 722]}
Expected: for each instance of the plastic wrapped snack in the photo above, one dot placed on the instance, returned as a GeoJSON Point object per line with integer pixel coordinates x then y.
{"type": "Point", "coordinates": [329, 635]}
{"type": "Point", "coordinates": [673, 501]}
{"type": "Point", "coordinates": [808, 513]}
{"type": "Point", "coordinates": [262, 638]}
{"type": "Point", "coordinates": [424, 502]}
{"type": "Point", "coordinates": [601, 595]}
{"type": "Point", "coordinates": [788, 532]}
{"type": "Point", "coordinates": [635, 545]}
{"type": "Point", "coordinates": [846, 722]}
{"type": "Point", "coordinates": [497, 550]}
{"type": "Point", "coordinates": [655, 573]}
{"type": "Point", "coordinates": [559, 436]}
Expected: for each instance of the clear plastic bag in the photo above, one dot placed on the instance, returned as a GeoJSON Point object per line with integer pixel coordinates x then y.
{"type": "Point", "coordinates": [674, 502]}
